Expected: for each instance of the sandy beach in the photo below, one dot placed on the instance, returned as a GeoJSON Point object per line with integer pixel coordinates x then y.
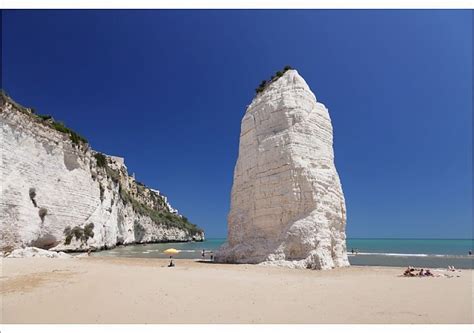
{"type": "Point", "coordinates": [122, 290]}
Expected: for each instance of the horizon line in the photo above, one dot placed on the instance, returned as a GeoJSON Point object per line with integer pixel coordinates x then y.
{"type": "Point", "coordinates": [407, 238]}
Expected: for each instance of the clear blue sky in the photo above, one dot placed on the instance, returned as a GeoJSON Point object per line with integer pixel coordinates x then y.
{"type": "Point", "coordinates": [167, 90]}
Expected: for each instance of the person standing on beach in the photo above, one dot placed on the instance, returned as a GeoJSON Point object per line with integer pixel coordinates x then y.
{"type": "Point", "coordinates": [203, 254]}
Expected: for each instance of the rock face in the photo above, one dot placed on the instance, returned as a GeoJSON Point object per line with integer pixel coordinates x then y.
{"type": "Point", "coordinates": [287, 205]}
{"type": "Point", "coordinates": [34, 252]}
{"type": "Point", "coordinates": [57, 193]}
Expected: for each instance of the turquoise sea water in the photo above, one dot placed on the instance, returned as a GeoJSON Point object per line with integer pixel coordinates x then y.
{"type": "Point", "coordinates": [415, 252]}
{"type": "Point", "coordinates": [372, 252]}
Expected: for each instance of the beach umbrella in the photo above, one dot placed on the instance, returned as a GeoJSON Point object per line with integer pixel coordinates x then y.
{"type": "Point", "coordinates": [171, 251]}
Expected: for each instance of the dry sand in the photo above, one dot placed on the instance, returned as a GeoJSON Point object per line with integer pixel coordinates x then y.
{"type": "Point", "coordinates": [122, 290]}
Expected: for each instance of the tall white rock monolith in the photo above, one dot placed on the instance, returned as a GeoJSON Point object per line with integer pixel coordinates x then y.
{"type": "Point", "coordinates": [287, 204]}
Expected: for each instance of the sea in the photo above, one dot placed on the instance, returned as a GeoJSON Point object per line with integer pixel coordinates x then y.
{"type": "Point", "coordinates": [433, 253]}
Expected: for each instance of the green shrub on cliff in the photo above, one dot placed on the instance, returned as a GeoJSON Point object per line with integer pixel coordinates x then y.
{"type": "Point", "coordinates": [5, 98]}
{"type": "Point", "coordinates": [80, 233]}
{"type": "Point", "coordinates": [75, 137]}
{"type": "Point", "coordinates": [44, 116]}
{"type": "Point", "coordinates": [59, 126]}
{"type": "Point", "coordinates": [101, 190]}
{"type": "Point", "coordinates": [273, 78]}
{"type": "Point", "coordinates": [113, 174]}
{"type": "Point", "coordinates": [101, 160]}
{"type": "Point", "coordinates": [42, 213]}
{"type": "Point", "coordinates": [158, 216]}
{"type": "Point", "coordinates": [32, 193]}
{"type": "Point", "coordinates": [88, 231]}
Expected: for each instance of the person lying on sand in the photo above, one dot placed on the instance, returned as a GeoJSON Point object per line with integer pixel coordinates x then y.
{"type": "Point", "coordinates": [426, 272]}
{"type": "Point", "coordinates": [409, 272]}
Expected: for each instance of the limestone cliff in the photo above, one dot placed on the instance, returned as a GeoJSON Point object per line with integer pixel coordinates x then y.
{"type": "Point", "coordinates": [287, 204]}
{"type": "Point", "coordinates": [57, 193]}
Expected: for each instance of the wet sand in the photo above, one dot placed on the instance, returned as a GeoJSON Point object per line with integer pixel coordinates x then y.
{"type": "Point", "coordinates": [126, 290]}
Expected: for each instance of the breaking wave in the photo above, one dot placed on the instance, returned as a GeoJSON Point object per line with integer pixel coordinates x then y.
{"type": "Point", "coordinates": [424, 255]}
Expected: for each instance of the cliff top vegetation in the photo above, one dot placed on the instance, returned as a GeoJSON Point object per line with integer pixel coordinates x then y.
{"type": "Point", "coordinates": [264, 84]}
{"type": "Point", "coordinates": [45, 119]}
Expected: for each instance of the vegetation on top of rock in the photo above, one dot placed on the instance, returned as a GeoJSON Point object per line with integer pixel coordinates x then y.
{"type": "Point", "coordinates": [75, 137]}
{"type": "Point", "coordinates": [44, 119]}
{"type": "Point", "coordinates": [44, 116]}
{"type": "Point", "coordinates": [5, 98]}
{"type": "Point", "coordinates": [274, 78]}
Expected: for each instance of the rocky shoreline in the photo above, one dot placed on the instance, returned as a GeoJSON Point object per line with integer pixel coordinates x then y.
{"type": "Point", "coordinates": [30, 251]}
